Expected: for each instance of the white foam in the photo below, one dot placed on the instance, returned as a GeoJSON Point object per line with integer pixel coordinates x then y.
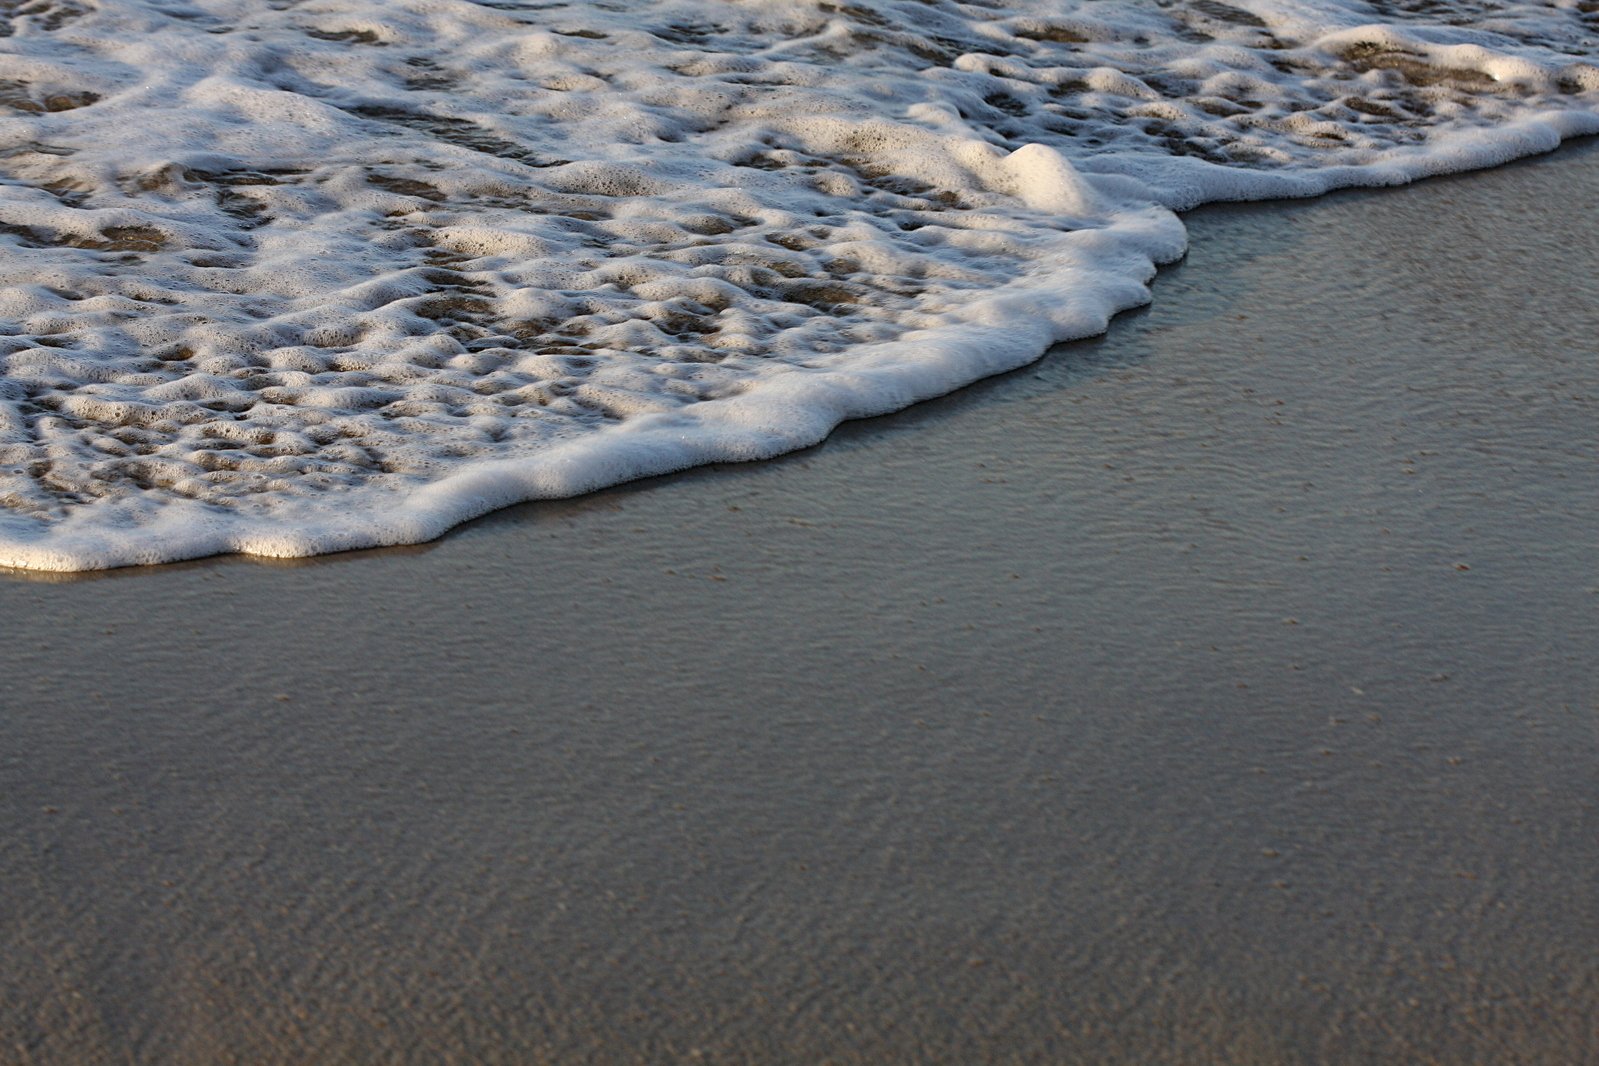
{"type": "Point", "coordinates": [350, 273]}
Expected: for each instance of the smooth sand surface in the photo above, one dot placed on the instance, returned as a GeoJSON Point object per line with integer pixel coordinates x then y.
{"type": "Point", "coordinates": [1219, 691]}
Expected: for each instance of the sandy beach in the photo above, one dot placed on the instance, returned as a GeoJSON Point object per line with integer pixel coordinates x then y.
{"type": "Point", "coordinates": [1220, 690]}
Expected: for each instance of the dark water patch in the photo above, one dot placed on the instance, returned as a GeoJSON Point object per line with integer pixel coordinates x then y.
{"type": "Point", "coordinates": [459, 132]}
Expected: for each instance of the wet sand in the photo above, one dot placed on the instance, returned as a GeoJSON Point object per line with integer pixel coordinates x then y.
{"type": "Point", "coordinates": [1221, 690]}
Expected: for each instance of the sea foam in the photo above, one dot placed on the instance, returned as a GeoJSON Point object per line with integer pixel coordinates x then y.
{"type": "Point", "coordinates": [294, 278]}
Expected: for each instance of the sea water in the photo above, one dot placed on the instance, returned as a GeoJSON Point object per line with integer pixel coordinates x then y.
{"type": "Point", "coordinates": [287, 278]}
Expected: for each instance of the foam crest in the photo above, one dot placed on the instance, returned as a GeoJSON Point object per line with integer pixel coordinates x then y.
{"type": "Point", "coordinates": [287, 279]}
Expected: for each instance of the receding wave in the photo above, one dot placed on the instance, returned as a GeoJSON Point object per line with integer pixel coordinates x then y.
{"type": "Point", "coordinates": [293, 277]}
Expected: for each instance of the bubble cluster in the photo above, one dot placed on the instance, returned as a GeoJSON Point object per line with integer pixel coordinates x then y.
{"type": "Point", "coordinates": [296, 277]}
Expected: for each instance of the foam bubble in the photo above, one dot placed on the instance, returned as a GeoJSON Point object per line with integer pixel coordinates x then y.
{"type": "Point", "coordinates": [340, 275]}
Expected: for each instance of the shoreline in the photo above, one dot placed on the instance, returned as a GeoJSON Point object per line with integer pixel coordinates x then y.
{"type": "Point", "coordinates": [761, 424]}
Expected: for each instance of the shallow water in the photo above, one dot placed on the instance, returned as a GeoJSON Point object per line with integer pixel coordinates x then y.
{"type": "Point", "coordinates": [311, 276]}
{"type": "Point", "coordinates": [1221, 690]}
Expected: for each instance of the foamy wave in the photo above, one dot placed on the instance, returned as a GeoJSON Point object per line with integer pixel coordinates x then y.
{"type": "Point", "coordinates": [346, 274]}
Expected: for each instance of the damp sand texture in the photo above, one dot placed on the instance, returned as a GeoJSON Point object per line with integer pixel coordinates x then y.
{"type": "Point", "coordinates": [294, 278]}
{"type": "Point", "coordinates": [1219, 691]}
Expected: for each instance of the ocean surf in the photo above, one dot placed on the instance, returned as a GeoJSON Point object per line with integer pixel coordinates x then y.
{"type": "Point", "coordinates": [294, 279]}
